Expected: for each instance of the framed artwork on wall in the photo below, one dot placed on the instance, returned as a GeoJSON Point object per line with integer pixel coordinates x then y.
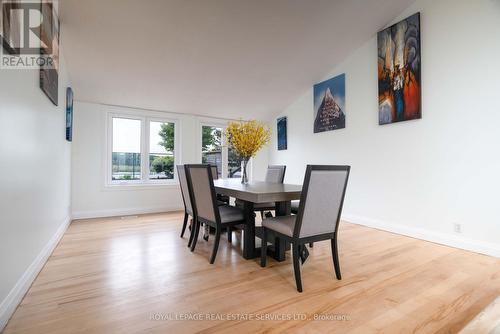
{"type": "Point", "coordinates": [282, 133]}
{"type": "Point", "coordinates": [399, 72]}
{"type": "Point", "coordinates": [10, 26]}
{"type": "Point", "coordinates": [49, 36]}
{"type": "Point", "coordinates": [329, 104]}
{"type": "Point", "coordinates": [69, 114]}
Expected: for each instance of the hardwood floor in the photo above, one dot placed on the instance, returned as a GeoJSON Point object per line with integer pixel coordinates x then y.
{"type": "Point", "coordinates": [123, 275]}
{"type": "Point", "coordinates": [488, 321]}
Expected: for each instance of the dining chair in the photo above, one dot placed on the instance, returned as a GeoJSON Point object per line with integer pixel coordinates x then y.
{"type": "Point", "coordinates": [188, 209]}
{"type": "Point", "coordinates": [222, 198]}
{"type": "Point", "coordinates": [215, 172]}
{"type": "Point", "coordinates": [206, 209]}
{"type": "Point", "coordinates": [295, 209]}
{"type": "Point", "coordinates": [318, 216]}
{"type": "Point", "coordinates": [274, 174]}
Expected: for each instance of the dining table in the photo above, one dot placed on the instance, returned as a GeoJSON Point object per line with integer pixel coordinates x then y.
{"type": "Point", "coordinates": [255, 192]}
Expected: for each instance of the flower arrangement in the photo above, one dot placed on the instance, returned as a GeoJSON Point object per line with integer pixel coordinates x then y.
{"type": "Point", "coordinates": [247, 138]}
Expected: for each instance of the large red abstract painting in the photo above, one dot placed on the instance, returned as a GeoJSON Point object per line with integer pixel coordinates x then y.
{"type": "Point", "coordinates": [399, 71]}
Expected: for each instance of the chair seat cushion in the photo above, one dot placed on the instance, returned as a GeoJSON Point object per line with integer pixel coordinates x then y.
{"type": "Point", "coordinates": [229, 214]}
{"type": "Point", "coordinates": [295, 206]}
{"type": "Point", "coordinates": [258, 206]}
{"type": "Point", "coordinates": [282, 224]}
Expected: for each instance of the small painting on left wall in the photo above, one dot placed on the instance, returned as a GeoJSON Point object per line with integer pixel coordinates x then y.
{"type": "Point", "coordinates": [282, 128]}
{"type": "Point", "coordinates": [49, 36]}
{"type": "Point", "coordinates": [10, 26]}
{"type": "Point", "coordinates": [69, 114]}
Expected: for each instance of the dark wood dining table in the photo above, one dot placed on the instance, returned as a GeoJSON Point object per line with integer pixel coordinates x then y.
{"type": "Point", "coordinates": [260, 192]}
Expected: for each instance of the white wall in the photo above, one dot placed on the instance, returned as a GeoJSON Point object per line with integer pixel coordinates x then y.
{"type": "Point", "coordinates": [90, 198]}
{"type": "Point", "coordinates": [419, 177]}
{"type": "Point", "coordinates": [35, 180]}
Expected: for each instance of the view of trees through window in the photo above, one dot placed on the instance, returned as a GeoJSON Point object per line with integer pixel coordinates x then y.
{"type": "Point", "coordinates": [161, 150]}
{"type": "Point", "coordinates": [128, 162]}
{"type": "Point", "coordinates": [211, 152]}
{"type": "Point", "coordinates": [233, 164]}
{"type": "Point", "coordinates": [126, 155]}
{"type": "Point", "coordinates": [211, 147]}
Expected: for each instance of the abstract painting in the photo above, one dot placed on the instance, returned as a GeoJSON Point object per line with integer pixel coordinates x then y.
{"type": "Point", "coordinates": [282, 140]}
{"type": "Point", "coordinates": [329, 104]}
{"type": "Point", "coordinates": [399, 89]}
{"type": "Point", "coordinates": [49, 32]}
{"type": "Point", "coordinates": [69, 114]}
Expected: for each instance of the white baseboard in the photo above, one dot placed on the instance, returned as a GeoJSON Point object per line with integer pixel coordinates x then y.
{"type": "Point", "coordinates": [123, 212]}
{"type": "Point", "coordinates": [456, 241]}
{"type": "Point", "coordinates": [15, 296]}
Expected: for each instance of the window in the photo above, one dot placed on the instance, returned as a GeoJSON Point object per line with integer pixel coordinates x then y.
{"type": "Point", "coordinates": [211, 146]}
{"type": "Point", "coordinates": [234, 164]}
{"type": "Point", "coordinates": [126, 154]}
{"type": "Point", "coordinates": [161, 150]}
{"type": "Point", "coordinates": [214, 151]}
{"type": "Point", "coordinates": [142, 150]}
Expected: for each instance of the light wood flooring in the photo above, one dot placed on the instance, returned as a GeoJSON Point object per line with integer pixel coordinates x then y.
{"type": "Point", "coordinates": [136, 275]}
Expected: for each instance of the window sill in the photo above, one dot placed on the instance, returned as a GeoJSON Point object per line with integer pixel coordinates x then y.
{"type": "Point", "coordinates": [130, 186]}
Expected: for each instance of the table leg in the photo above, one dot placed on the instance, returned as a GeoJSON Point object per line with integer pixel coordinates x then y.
{"type": "Point", "coordinates": [283, 208]}
{"type": "Point", "coordinates": [249, 232]}
{"type": "Point", "coordinates": [281, 246]}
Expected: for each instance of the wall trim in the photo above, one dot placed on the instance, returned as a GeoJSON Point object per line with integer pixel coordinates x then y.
{"type": "Point", "coordinates": [482, 247]}
{"type": "Point", "coordinates": [124, 212]}
{"type": "Point", "coordinates": [9, 305]}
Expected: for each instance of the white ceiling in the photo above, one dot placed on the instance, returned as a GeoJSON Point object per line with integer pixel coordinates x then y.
{"type": "Point", "coordinates": [223, 58]}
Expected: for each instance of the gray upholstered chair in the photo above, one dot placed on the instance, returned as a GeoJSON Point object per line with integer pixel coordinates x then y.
{"type": "Point", "coordinates": [295, 210]}
{"type": "Point", "coordinates": [223, 200]}
{"type": "Point", "coordinates": [215, 172]}
{"type": "Point", "coordinates": [274, 174]}
{"type": "Point", "coordinates": [188, 209]}
{"type": "Point", "coordinates": [318, 216]}
{"type": "Point", "coordinates": [205, 207]}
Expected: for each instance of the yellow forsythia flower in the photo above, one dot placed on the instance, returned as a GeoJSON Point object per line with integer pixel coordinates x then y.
{"type": "Point", "coordinates": [247, 137]}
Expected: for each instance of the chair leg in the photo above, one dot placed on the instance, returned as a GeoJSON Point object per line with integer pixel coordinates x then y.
{"type": "Point", "coordinates": [311, 244]}
{"type": "Point", "coordinates": [216, 245]}
{"type": "Point", "coordinates": [184, 224]}
{"type": "Point", "coordinates": [335, 255]}
{"type": "Point", "coordinates": [263, 248]}
{"type": "Point", "coordinates": [206, 232]}
{"type": "Point", "coordinates": [296, 266]}
{"type": "Point", "coordinates": [229, 234]}
{"type": "Point", "coordinates": [192, 229]}
{"type": "Point", "coordinates": [195, 236]}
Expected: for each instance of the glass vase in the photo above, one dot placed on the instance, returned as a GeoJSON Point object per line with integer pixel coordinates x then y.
{"type": "Point", "coordinates": [244, 175]}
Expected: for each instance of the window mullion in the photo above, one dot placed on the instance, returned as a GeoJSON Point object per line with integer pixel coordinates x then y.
{"type": "Point", "coordinates": [225, 154]}
{"type": "Point", "coordinates": [145, 150]}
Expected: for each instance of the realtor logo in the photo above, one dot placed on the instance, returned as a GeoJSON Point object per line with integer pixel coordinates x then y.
{"type": "Point", "coordinates": [30, 35]}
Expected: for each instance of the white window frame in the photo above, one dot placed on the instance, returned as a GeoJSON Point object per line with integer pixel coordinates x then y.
{"type": "Point", "coordinates": [217, 123]}
{"type": "Point", "coordinates": [145, 118]}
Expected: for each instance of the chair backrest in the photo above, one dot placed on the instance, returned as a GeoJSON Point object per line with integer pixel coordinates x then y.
{"type": "Point", "coordinates": [215, 172]}
{"type": "Point", "coordinates": [201, 186]}
{"type": "Point", "coordinates": [275, 173]}
{"type": "Point", "coordinates": [321, 200]}
{"type": "Point", "coordinates": [181, 173]}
